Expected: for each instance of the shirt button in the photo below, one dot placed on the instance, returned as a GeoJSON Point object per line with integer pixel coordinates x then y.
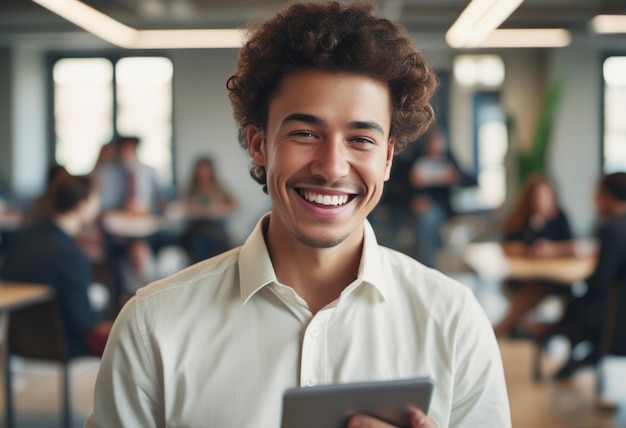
{"type": "Point", "coordinates": [310, 382]}
{"type": "Point", "coordinates": [315, 332]}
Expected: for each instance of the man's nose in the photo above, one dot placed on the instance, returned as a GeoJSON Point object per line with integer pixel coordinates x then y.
{"type": "Point", "coordinates": [331, 159]}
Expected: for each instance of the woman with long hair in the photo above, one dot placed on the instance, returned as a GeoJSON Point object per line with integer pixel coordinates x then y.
{"type": "Point", "coordinates": [536, 227]}
{"type": "Point", "coordinates": [207, 204]}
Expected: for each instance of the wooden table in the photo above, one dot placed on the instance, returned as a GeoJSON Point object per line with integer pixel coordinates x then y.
{"type": "Point", "coordinates": [15, 296]}
{"type": "Point", "coordinates": [122, 224]}
{"type": "Point", "coordinates": [488, 260]}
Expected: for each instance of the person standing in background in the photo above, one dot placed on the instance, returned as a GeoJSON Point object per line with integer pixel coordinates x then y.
{"type": "Point", "coordinates": [433, 175]}
{"type": "Point", "coordinates": [129, 187]}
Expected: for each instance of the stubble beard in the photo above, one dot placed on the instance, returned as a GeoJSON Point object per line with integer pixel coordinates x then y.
{"type": "Point", "coordinates": [314, 242]}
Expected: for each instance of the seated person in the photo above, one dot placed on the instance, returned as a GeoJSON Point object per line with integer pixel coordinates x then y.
{"type": "Point", "coordinates": [207, 204]}
{"type": "Point", "coordinates": [46, 252]}
{"type": "Point", "coordinates": [89, 239]}
{"type": "Point", "coordinates": [38, 207]}
{"type": "Point", "coordinates": [584, 316]}
{"type": "Point", "coordinates": [536, 227]}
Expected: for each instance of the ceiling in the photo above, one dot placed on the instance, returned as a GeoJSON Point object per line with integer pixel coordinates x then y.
{"type": "Point", "coordinates": [23, 17]}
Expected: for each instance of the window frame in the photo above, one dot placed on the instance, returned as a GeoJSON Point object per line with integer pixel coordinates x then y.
{"type": "Point", "coordinates": [602, 109]}
{"type": "Point", "coordinates": [113, 56]}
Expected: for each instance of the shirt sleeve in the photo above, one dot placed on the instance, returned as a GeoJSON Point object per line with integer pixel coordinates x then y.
{"type": "Point", "coordinates": [480, 395]}
{"type": "Point", "coordinates": [127, 392]}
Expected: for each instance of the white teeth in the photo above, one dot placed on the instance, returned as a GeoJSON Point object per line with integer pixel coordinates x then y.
{"type": "Point", "coordinates": [318, 198]}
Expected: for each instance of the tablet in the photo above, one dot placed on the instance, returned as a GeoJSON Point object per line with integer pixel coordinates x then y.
{"type": "Point", "coordinates": [331, 406]}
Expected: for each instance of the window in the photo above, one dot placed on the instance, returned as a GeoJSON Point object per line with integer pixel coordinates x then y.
{"type": "Point", "coordinates": [97, 98]}
{"type": "Point", "coordinates": [490, 148]}
{"type": "Point", "coordinates": [479, 78]}
{"type": "Point", "coordinates": [614, 144]}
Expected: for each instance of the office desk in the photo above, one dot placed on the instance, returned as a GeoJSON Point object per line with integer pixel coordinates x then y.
{"type": "Point", "coordinates": [488, 260]}
{"type": "Point", "coordinates": [131, 226]}
{"type": "Point", "coordinates": [125, 225]}
{"type": "Point", "coordinates": [15, 296]}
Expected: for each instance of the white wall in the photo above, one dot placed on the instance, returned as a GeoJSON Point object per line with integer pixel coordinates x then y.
{"type": "Point", "coordinates": [575, 154]}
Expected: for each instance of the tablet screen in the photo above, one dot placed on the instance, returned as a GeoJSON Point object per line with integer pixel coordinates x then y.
{"type": "Point", "coordinates": [331, 406]}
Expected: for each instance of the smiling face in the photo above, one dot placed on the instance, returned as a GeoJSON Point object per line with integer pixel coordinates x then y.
{"type": "Point", "coordinates": [327, 153]}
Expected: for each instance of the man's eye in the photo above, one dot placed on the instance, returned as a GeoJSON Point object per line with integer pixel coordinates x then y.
{"type": "Point", "coordinates": [362, 140]}
{"type": "Point", "coordinates": [302, 134]}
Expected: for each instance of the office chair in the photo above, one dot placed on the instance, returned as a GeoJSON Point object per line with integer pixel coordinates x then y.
{"type": "Point", "coordinates": [35, 332]}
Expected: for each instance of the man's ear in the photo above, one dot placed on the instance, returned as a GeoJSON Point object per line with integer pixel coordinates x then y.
{"type": "Point", "coordinates": [390, 151]}
{"type": "Point", "coordinates": [256, 146]}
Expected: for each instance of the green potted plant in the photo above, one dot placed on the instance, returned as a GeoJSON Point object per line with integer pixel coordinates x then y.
{"type": "Point", "coordinates": [534, 159]}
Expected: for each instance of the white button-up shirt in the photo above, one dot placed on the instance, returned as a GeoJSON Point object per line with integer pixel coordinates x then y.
{"type": "Point", "coordinates": [217, 344]}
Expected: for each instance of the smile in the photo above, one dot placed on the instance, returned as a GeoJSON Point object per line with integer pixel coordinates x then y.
{"type": "Point", "coordinates": [321, 199]}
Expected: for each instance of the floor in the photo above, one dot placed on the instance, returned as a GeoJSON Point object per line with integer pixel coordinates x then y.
{"type": "Point", "coordinates": [549, 404]}
{"type": "Point", "coordinates": [559, 404]}
{"type": "Point", "coordinates": [37, 391]}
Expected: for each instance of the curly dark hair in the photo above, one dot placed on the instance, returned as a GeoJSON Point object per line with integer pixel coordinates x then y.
{"type": "Point", "coordinates": [334, 37]}
{"type": "Point", "coordinates": [615, 185]}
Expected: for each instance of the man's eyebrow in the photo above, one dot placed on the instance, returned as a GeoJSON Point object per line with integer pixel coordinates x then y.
{"type": "Point", "coordinates": [302, 117]}
{"type": "Point", "coordinates": [314, 120]}
{"type": "Point", "coordinates": [366, 125]}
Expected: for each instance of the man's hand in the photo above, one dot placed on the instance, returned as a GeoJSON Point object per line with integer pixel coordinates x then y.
{"type": "Point", "coordinates": [418, 420]}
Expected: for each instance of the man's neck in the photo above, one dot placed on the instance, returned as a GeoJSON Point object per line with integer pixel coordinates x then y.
{"type": "Point", "coordinates": [318, 275]}
{"type": "Point", "coordinates": [68, 223]}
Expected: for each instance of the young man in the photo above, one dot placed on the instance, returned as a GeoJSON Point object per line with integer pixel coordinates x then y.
{"type": "Point", "coordinates": [324, 94]}
{"type": "Point", "coordinates": [46, 252]}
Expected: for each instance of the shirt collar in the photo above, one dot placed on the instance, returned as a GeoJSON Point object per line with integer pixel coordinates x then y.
{"type": "Point", "coordinates": [256, 269]}
{"type": "Point", "coordinates": [255, 266]}
{"type": "Point", "coordinates": [371, 270]}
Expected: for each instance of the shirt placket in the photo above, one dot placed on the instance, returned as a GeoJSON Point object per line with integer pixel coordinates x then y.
{"type": "Point", "coordinates": [313, 365]}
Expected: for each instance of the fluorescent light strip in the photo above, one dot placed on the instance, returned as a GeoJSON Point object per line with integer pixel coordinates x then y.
{"type": "Point", "coordinates": [127, 37]}
{"type": "Point", "coordinates": [527, 37]}
{"type": "Point", "coordinates": [92, 21]}
{"type": "Point", "coordinates": [180, 39]}
{"type": "Point", "coordinates": [609, 24]}
{"type": "Point", "coordinates": [478, 20]}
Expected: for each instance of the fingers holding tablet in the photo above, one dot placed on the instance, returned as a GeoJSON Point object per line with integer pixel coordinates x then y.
{"type": "Point", "coordinates": [418, 420]}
